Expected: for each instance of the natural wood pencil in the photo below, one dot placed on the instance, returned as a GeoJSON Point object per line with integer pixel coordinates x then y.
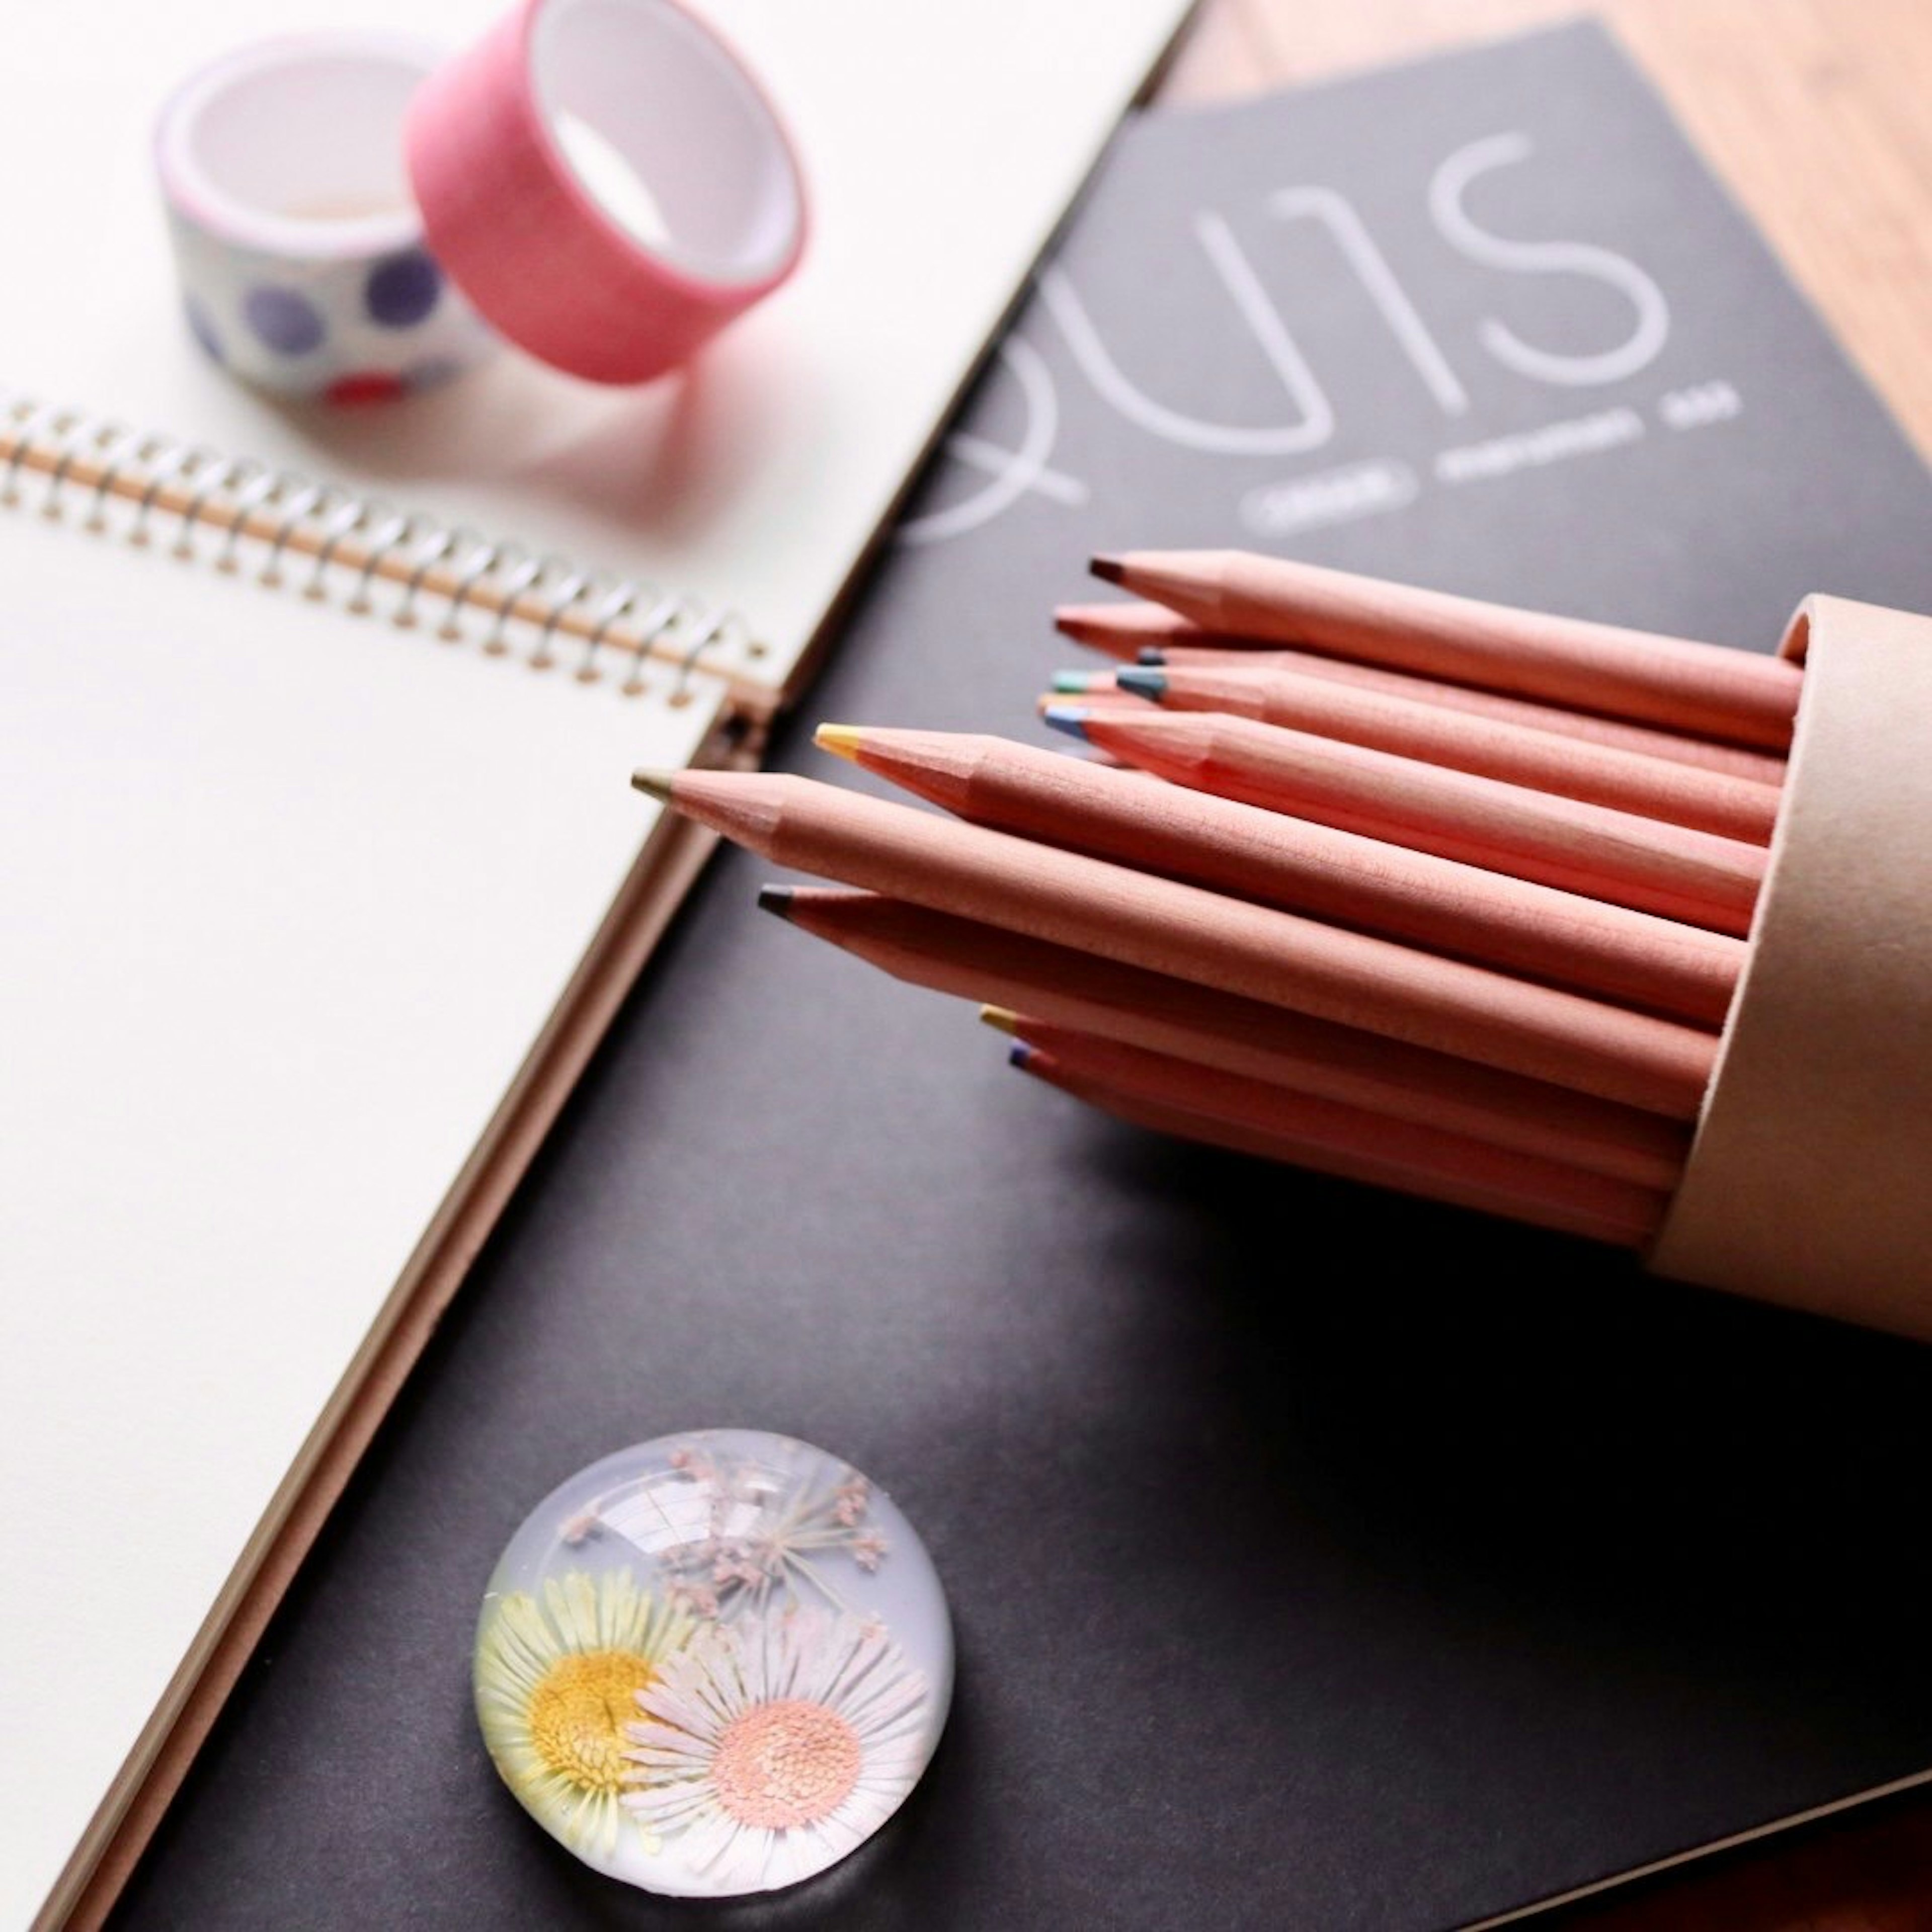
{"type": "Point", "coordinates": [1326, 1139]}
{"type": "Point", "coordinates": [1685, 686]}
{"type": "Point", "coordinates": [1494, 747]}
{"type": "Point", "coordinates": [1167, 927]}
{"type": "Point", "coordinates": [984, 963]}
{"type": "Point", "coordinates": [1447, 907]}
{"type": "Point", "coordinates": [1107, 699]}
{"type": "Point", "coordinates": [1764, 767]}
{"type": "Point", "coordinates": [1696, 877]}
{"type": "Point", "coordinates": [1123, 631]}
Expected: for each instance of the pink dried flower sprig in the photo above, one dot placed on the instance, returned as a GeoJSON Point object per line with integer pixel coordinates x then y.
{"type": "Point", "coordinates": [762, 1536]}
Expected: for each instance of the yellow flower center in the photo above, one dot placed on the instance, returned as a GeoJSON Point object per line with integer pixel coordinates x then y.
{"type": "Point", "coordinates": [578, 1712]}
{"type": "Point", "coordinates": [785, 1764]}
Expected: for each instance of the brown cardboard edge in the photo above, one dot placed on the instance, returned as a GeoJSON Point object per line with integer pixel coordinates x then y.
{"type": "Point", "coordinates": [1804, 1182]}
{"type": "Point", "coordinates": [665, 870]}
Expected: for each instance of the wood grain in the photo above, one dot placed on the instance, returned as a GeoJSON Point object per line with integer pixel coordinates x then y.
{"type": "Point", "coordinates": [1813, 111]}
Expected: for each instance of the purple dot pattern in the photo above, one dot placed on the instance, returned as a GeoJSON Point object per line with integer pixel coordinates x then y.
{"type": "Point", "coordinates": [284, 318]}
{"type": "Point", "coordinates": [356, 329]}
{"type": "Point", "coordinates": [402, 289]}
{"type": "Point", "coordinates": [202, 330]}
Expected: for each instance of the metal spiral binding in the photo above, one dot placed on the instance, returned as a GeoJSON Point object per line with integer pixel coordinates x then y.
{"type": "Point", "coordinates": [483, 562]}
{"type": "Point", "coordinates": [254, 508]}
{"type": "Point", "coordinates": [659, 619]}
{"type": "Point", "coordinates": [259, 490]}
{"type": "Point", "coordinates": [513, 585]}
{"type": "Point", "coordinates": [220, 472]}
{"type": "Point", "coordinates": [392, 536]}
{"type": "Point", "coordinates": [441, 541]}
{"type": "Point", "coordinates": [176, 460]}
{"type": "Point", "coordinates": [99, 437]}
{"type": "Point", "coordinates": [132, 445]}
{"type": "Point", "coordinates": [354, 511]}
{"type": "Point", "coordinates": [301, 502]}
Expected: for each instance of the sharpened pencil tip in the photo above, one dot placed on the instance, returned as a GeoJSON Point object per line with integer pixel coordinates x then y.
{"type": "Point", "coordinates": [1002, 1019]}
{"type": "Point", "coordinates": [1078, 683]}
{"type": "Point", "coordinates": [1019, 1054]}
{"type": "Point", "coordinates": [1151, 685]}
{"type": "Point", "coordinates": [1071, 718]}
{"type": "Point", "coordinates": [654, 784]}
{"type": "Point", "coordinates": [1151, 654]}
{"type": "Point", "coordinates": [841, 740]}
{"type": "Point", "coordinates": [1109, 569]}
{"type": "Point", "coordinates": [776, 899]}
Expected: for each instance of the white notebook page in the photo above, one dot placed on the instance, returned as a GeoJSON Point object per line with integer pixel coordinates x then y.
{"type": "Point", "coordinates": [287, 896]}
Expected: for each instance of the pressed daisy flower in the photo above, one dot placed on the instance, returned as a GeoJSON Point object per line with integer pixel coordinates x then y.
{"type": "Point", "coordinates": [556, 1681]}
{"type": "Point", "coordinates": [774, 1745]}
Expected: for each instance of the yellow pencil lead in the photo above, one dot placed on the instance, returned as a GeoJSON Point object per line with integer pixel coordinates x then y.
{"type": "Point", "coordinates": [1001, 1018]}
{"type": "Point", "coordinates": [841, 740]}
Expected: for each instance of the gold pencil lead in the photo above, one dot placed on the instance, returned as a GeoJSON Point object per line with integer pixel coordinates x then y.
{"type": "Point", "coordinates": [654, 784]}
{"type": "Point", "coordinates": [842, 741]}
{"type": "Point", "coordinates": [1001, 1019]}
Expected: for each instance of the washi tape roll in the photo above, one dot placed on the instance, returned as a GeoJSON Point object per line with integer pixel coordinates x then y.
{"type": "Point", "coordinates": [301, 252]}
{"type": "Point", "coordinates": [606, 179]}
{"type": "Point", "coordinates": [602, 180]}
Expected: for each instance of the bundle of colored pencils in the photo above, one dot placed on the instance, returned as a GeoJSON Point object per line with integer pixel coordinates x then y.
{"type": "Point", "coordinates": [1390, 884]}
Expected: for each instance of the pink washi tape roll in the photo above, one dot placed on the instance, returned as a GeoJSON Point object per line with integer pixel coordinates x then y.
{"type": "Point", "coordinates": [602, 182]}
{"type": "Point", "coordinates": [607, 183]}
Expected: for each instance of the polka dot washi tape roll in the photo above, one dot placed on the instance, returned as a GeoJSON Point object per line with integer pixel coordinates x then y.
{"type": "Point", "coordinates": [301, 252]}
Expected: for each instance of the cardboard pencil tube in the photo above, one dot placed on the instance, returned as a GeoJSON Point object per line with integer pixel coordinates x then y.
{"type": "Point", "coordinates": [1810, 1178]}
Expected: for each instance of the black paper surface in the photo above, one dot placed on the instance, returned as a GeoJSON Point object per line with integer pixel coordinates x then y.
{"type": "Point", "coordinates": [1318, 1558]}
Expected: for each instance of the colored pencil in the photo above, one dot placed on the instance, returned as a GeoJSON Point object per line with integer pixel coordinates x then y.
{"type": "Point", "coordinates": [1105, 699]}
{"type": "Point", "coordinates": [984, 963]}
{"type": "Point", "coordinates": [1696, 877]}
{"type": "Point", "coordinates": [1697, 688]}
{"type": "Point", "coordinates": [1445, 906]}
{"type": "Point", "coordinates": [1166, 926]}
{"type": "Point", "coordinates": [1763, 767]}
{"type": "Point", "coordinates": [1516, 753]}
{"type": "Point", "coordinates": [1336, 1141]}
{"type": "Point", "coordinates": [1123, 630]}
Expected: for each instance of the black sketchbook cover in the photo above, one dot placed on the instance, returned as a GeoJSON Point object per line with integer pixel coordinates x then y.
{"type": "Point", "coordinates": [1318, 1558]}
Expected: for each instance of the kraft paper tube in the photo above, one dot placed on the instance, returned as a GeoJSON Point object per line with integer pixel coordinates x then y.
{"type": "Point", "coordinates": [1810, 1180]}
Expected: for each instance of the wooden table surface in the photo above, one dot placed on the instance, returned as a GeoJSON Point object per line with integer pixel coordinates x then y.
{"type": "Point", "coordinates": [1818, 113]}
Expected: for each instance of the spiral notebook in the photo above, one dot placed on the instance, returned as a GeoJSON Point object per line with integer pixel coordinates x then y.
{"type": "Point", "coordinates": [324, 875]}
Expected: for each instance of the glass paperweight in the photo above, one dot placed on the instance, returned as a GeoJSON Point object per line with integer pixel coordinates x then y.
{"type": "Point", "coordinates": [714, 1663]}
